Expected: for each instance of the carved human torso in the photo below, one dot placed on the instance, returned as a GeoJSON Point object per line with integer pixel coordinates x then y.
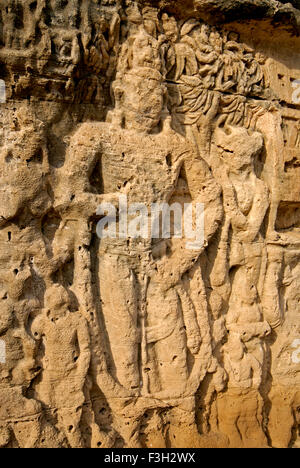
{"type": "Point", "coordinates": [139, 161]}
{"type": "Point", "coordinates": [60, 341]}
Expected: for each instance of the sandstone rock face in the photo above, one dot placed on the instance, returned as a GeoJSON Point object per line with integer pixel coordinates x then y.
{"type": "Point", "coordinates": [113, 334]}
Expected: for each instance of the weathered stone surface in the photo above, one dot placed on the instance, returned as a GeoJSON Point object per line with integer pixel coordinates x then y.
{"type": "Point", "coordinates": [140, 340]}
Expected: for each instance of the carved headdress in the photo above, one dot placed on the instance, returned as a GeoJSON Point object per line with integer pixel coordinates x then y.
{"type": "Point", "coordinates": [140, 56]}
{"type": "Point", "coordinates": [139, 82]}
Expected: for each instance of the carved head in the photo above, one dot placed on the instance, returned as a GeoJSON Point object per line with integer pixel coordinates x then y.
{"type": "Point", "coordinates": [150, 20]}
{"type": "Point", "coordinates": [57, 301]}
{"type": "Point", "coordinates": [205, 32]}
{"type": "Point", "coordinates": [238, 146]}
{"type": "Point", "coordinates": [234, 347]}
{"type": "Point", "coordinates": [170, 27]}
{"type": "Point", "coordinates": [216, 40]}
{"type": "Point", "coordinates": [140, 96]}
{"type": "Point", "coordinates": [233, 36]}
{"type": "Point", "coordinates": [145, 51]}
{"type": "Point", "coordinates": [139, 90]}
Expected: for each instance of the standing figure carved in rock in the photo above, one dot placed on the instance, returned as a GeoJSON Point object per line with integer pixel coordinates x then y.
{"type": "Point", "coordinates": [246, 201]}
{"type": "Point", "coordinates": [241, 266]}
{"type": "Point", "coordinates": [64, 362]}
{"type": "Point", "coordinates": [139, 279]}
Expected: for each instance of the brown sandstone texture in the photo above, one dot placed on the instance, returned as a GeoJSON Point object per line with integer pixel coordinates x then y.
{"type": "Point", "coordinates": [135, 341]}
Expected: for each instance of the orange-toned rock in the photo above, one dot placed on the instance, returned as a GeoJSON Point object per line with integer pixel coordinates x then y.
{"type": "Point", "coordinates": [149, 224]}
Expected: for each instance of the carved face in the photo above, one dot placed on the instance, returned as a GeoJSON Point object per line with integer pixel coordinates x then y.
{"type": "Point", "coordinates": [234, 347]}
{"type": "Point", "coordinates": [142, 103]}
{"type": "Point", "coordinates": [216, 41]}
{"type": "Point", "coordinates": [56, 301]}
{"type": "Point", "coordinates": [239, 146]}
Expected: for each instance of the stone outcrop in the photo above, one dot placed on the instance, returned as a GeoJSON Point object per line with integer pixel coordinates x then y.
{"type": "Point", "coordinates": [113, 334]}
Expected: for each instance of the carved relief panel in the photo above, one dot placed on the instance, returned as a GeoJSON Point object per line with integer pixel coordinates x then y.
{"type": "Point", "coordinates": [112, 333]}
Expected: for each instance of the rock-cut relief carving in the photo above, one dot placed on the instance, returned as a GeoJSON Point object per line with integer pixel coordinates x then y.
{"type": "Point", "coordinates": [139, 281]}
{"type": "Point", "coordinates": [246, 200]}
{"type": "Point", "coordinates": [202, 62]}
{"type": "Point", "coordinates": [65, 358]}
{"type": "Point", "coordinates": [23, 255]}
{"type": "Point", "coordinates": [210, 78]}
{"type": "Point", "coordinates": [126, 341]}
{"type": "Point", "coordinates": [246, 275]}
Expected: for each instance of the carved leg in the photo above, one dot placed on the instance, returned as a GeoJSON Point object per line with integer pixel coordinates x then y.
{"type": "Point", "coordinates": [27, 433]}
{"type": "Point", "coordinates": [118, 288]}
{"type": "Point", "coordinates": [271, 298]}
{"type": "Point", "coordinates": [166, 340]}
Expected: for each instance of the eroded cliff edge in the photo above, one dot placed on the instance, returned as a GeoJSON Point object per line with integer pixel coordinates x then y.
{"type": "Point", "coordinates": [133, 341]}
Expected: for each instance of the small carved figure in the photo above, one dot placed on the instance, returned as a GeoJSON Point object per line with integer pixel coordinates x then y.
{"type": "Point", "coordinates": [65, 361]}
{"type": "Point", "coordinates": [9, 20]}
{"type": "Point", "coordinates": [21, 417]}
{"type": "Point", "coordinates": [246, 202]}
